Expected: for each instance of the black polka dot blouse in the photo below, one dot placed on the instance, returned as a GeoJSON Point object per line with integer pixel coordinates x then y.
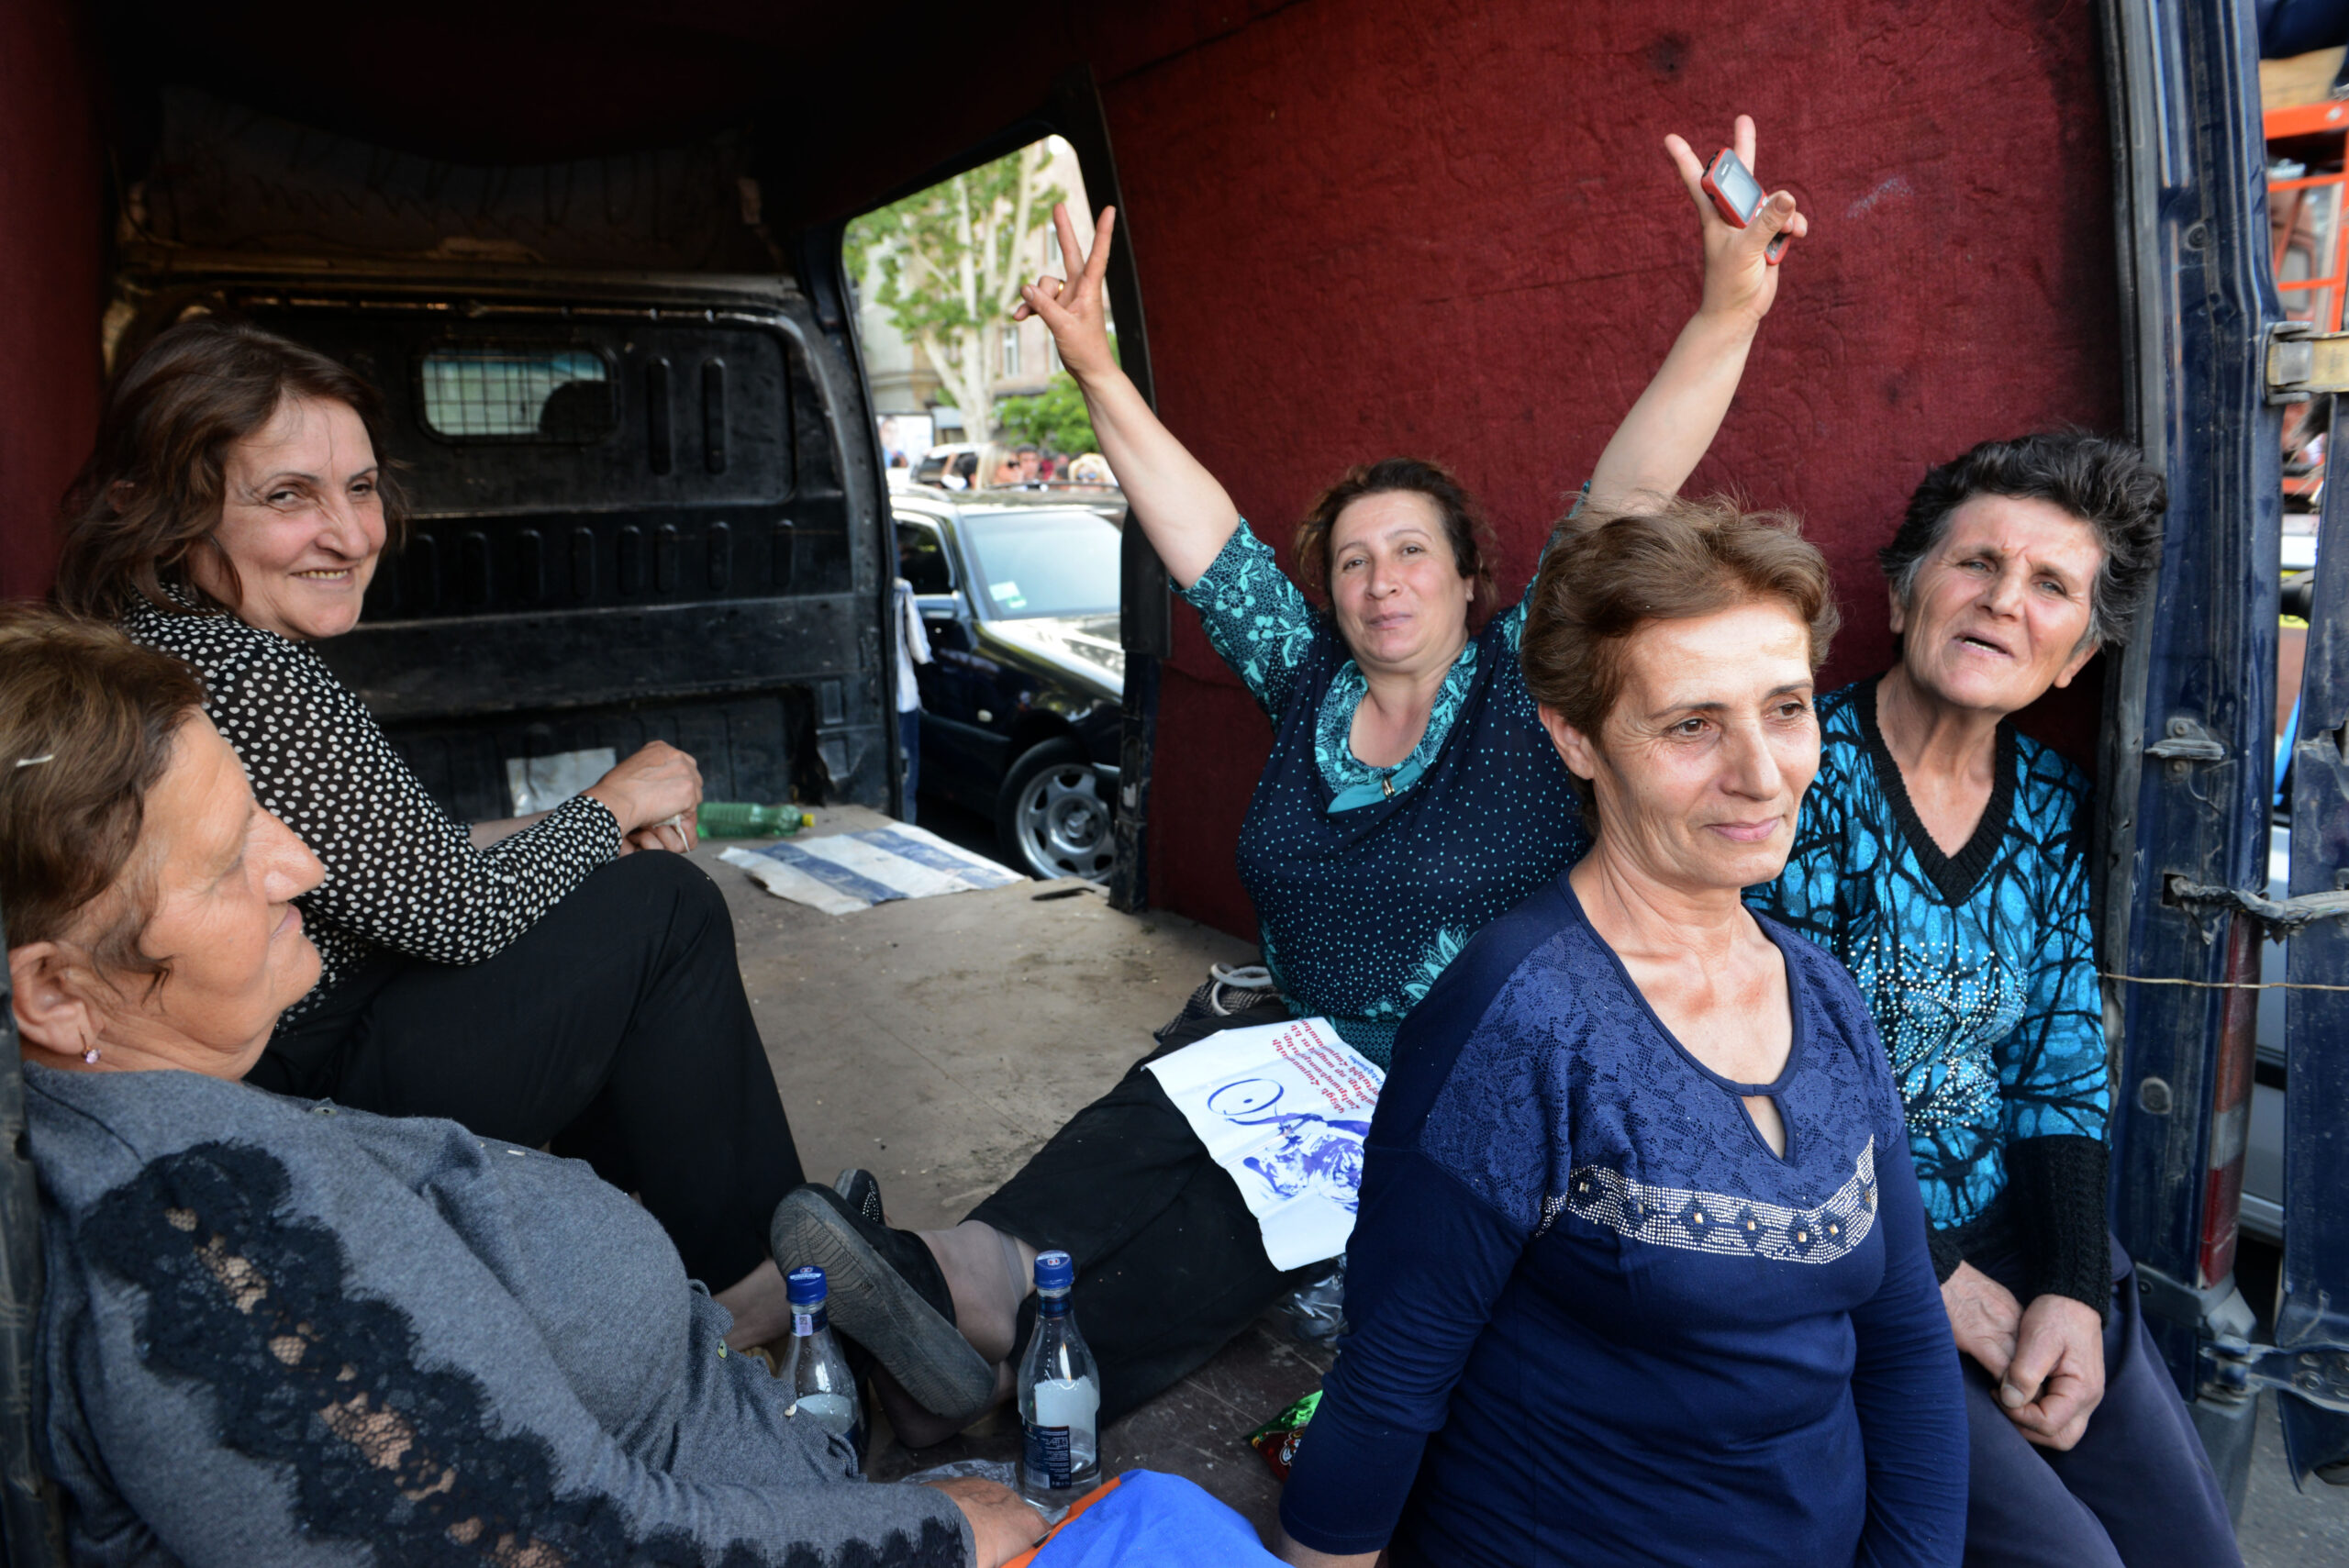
{"type": "Point", "coordinates": [401, 872]}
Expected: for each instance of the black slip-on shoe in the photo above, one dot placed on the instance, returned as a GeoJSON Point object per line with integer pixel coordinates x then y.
{"type": "Point", "coordinates": [888, 1295]}
{"type": "Point", "coordinates": [863, 1192]}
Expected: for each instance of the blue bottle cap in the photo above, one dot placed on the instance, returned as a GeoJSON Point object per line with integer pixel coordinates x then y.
{"type": "Point", "coordinates": [806, 1286]}
{"type": "Point", "coordinates": [1054, 1270]}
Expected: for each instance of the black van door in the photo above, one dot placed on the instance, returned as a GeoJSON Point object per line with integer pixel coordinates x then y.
{"type": "Point", "coordinates": [633, 520]}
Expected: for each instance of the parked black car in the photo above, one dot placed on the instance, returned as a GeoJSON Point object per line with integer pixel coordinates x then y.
{"type": "Point", "coordinates": [1019, 593]}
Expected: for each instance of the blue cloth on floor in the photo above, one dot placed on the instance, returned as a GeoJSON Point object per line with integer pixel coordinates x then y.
{"type": "Point", "coordinates": [1156, 1521]}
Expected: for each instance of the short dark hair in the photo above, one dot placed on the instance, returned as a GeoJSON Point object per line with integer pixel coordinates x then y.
{"type": "Point", "coordinates": [1612, 571]}
{"type": "Point", "coordinates": [1025, 448]}
{"type": "Point", "coordinates": [87, 723]}
{"type": "Point", "coordinates": [151, 493]}
{"type": "Point", "coordinates": [1463, 522]}
{"type": "Point", "coordinates": [2105, 484]}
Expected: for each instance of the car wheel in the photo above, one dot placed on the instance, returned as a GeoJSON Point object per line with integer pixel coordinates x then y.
{"type": "Point", "coordinates": [1052, 817]}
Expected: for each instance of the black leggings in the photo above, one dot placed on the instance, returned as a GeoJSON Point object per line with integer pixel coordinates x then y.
{"type": "Point", "coordinates": [1170, 1264]}
{"type": "Point", "coordinates": [615, 1029]}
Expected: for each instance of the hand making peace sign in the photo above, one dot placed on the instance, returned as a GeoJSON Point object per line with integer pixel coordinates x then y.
{"type": "Point", "coordinates": [1737, 278]}
{"type": "Point", "coordinates": [1074, 313]}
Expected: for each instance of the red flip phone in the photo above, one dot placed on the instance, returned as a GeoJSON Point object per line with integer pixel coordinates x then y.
{"type": "Point", "coordinates": [1739, 196]}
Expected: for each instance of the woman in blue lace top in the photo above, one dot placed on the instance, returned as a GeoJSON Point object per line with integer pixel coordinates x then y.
{"type": "Point", "coordinates": [1639, 1276]}
{"type": "Point", "coordinates": [1410, 798]}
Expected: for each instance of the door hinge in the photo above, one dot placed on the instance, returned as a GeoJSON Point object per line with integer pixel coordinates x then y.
{"type": "Point", "coordinates": [2302, 362]}
{"type": "Point", "coordinates": [2317, 1373]}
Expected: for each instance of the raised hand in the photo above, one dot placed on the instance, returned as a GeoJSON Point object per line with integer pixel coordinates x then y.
{"type": "Point", "coordinates": [1738, 280]}
{"type": "Point", "coordinates": [1074, 313]}
{"type": "Point", "coordinates": [1667, 430]}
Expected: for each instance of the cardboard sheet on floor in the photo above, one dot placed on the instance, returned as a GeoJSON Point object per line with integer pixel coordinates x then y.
{"type": "Point", "coordinates": [1284, 1107]}
{"type": "Point", "coordinates": [842, 872]}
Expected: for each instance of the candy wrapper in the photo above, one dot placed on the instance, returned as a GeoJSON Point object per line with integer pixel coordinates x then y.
{"type": "Point", "coordinates": [1277, 1439]}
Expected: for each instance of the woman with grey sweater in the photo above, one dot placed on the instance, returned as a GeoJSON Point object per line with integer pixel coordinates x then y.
{"type": "Point", "coordinates": [280, 1331]}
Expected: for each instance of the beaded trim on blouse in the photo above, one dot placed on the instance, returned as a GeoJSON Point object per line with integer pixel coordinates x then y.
{"type": "Point", "coordinates": [1720, 1222]}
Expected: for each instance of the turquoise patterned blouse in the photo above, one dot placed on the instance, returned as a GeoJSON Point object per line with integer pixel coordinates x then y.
{"type": "Point", "coordinates": [1368, 881]}
{"type": "Point", "coordinates": [1980, 970]}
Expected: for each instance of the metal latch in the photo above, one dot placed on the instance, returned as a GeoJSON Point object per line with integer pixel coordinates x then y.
{"type": "Point", "coordinates": [2317, 1373]}
{"type": "Point", "coordinates": [2188, 742]}
{"type": "Point", "coordinates": [2302, 362]}
{"type": "Point", "coordinates": [2277, 917]}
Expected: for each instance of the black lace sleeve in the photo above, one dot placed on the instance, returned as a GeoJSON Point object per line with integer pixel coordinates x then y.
{"type": "Point", "coordinates": [226, 1340]}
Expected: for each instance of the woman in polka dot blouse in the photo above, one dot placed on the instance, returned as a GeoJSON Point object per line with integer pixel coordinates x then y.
{"type": "Point", "coordinates": [1410, 798]}
{"type": "Point", "coordinates": [549, 987]}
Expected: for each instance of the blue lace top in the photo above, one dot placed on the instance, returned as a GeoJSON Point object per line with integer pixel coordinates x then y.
{"type": "Point", "coordinates": [1980, 971]}
{"type": "Point", "coordinates": [1368, 881]}
{"type": "Point", "coordinates": [1600, 1320]}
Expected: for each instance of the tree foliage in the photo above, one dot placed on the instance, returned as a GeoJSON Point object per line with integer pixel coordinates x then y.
{"type": "Point", "coordinates": [950, 262]}
{"type": "Point", "coordinates": [1053, 418]}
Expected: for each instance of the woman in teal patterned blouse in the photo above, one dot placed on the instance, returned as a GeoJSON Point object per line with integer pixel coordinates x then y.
{"type": "Point", "coordinates": [1944, 858]}
{"type": "Point", "coordinates": [1412, 796]}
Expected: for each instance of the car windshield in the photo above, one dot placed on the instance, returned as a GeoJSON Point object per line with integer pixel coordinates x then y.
{"type": "Point", "coordinates": [1045, 563]}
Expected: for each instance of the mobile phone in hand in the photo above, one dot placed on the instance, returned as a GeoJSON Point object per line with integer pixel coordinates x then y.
{"type": "Point", "coordinates": [1739, 196]}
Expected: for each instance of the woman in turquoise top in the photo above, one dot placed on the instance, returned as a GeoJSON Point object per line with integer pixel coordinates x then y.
{"type": "Point", "coordinates": [1412, 796]}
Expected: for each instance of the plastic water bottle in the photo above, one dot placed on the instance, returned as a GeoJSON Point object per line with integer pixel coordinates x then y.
{"type": "Point", "coordinates": [740, 819]}
{"type": "Point", "coordinates": [823, 1390]}
{"type": "Point", "coordinates": [1060, 1394]}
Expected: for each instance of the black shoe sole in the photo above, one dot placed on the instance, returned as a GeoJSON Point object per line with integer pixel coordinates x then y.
{"type": "Point", "coordinates": [880, 1308]}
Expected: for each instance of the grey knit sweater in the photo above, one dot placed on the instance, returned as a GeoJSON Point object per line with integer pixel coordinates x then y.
{"type": "Point", "coordinates": [281, 1332]}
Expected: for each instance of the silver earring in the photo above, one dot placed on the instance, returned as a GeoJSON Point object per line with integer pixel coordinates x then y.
{"type": "Point", "coordinates": [90, 1057]}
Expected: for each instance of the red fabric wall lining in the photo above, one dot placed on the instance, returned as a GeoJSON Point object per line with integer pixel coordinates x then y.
{"type": "Point", "coordinates": [51, 244]}
{"type": "Point", "coordinates": [1449, 229]}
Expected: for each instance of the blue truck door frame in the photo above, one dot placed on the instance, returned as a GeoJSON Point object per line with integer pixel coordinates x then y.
{"type": "Point", "coordinates": [2313, 1319]}
{"type": "Point", "coordinates": [2190, 719]}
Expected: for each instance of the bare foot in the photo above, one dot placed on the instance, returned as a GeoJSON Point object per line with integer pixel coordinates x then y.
{"type": "Point", "coordinates": [917, 1427]}
{"type": "Point", "coordinates": [761, 1305]}
{"type": "Point", "coordinates": [988, 1274]}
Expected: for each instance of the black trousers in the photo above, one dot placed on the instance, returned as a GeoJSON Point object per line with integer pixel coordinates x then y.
{"type": "Point", "coordinates": [615, 1029]}
{"type": "Point", "coordinates": [1170, 1264]}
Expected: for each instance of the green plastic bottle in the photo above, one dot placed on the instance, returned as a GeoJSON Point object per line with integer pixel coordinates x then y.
{"type": "Point", "coordinates": [740, 819]}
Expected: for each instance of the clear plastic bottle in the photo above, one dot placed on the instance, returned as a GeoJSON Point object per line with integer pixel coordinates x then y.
{"type": "Point", "coordinates": [741, 819]}
{"type": "Point", "coordinates": [1060, 1394]}
{"type": "Point", "coordinates": [823, 1389]}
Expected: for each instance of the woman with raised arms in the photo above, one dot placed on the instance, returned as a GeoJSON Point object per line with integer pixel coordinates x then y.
{"type": "Point", "coordinates": [1412, 796]}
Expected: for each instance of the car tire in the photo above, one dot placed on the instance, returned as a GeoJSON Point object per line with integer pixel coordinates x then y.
{"type": "Point", "coordinates": [1050, 816]}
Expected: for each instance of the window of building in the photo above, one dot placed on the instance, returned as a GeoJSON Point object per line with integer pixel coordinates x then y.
{"type": "Point", "coordinates": [1011, 350]}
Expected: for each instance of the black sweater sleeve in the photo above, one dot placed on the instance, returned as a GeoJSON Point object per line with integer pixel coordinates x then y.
{"type": "Point", "coordinates": [2059, 1216]}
